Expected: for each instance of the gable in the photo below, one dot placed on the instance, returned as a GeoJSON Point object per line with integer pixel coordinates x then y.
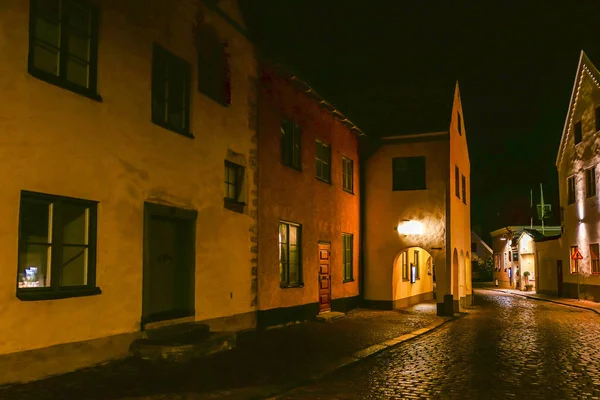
{"type": "Point", "coordinates": [584, 68]}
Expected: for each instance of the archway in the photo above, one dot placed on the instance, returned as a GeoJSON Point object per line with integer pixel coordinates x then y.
{"type": "Point", "coordinates": [412, 277]}
{"type": "Point", "coordinates": [468, 279]}
{"type": "Point", "coordinates": [455, 280]}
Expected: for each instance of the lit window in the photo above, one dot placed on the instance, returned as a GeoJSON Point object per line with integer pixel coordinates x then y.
{"type": "Point", "coordinates": [347, 246]}
{"type": "Point", "coordinates": [57, 247]}
{"type": "Point", "coordinates": [290, 257]}
{"type": "Point", "coordinates": [416, 260]}
{"type": "Point", "coordinates": [594, 252]}
{"type": "Point", "coordinates": [574, 261]}
{"type": "Point", "coordinates": [497, 262]}
{"type": "Point", "coordinates": [348, 175]}
{"type": "Point", "coordinates": [290, 144]}
{"type": "Point", "coordinates": [234, 180]}
{"type": "Point", "coordinates": [408, 173]}
{"type": "Point", "coordinates": [590, 182]}
{"type": "Point", "coordinates": [323, 161]}
{"type": "Point", "coordinates": [63, 44]}
{"type": "Point", "coordinates": [404, 263]}
{"type": "Point", "coordinates": [577, 132]}
{"type": "Point", "coordinates": [571, 189]}
{"type": "Point", "coordinates": [505, 261]}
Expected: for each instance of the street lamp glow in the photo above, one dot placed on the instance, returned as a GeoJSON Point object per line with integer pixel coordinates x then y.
{"type": "Point", "coordinates": [410, 228]}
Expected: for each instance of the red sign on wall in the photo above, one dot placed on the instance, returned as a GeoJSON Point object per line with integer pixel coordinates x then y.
{"type": "Point", "coordinates": [576, 255]}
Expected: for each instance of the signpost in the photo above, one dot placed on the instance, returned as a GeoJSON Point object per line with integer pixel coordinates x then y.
{"type": "Point", "coordinates": [576, 255]}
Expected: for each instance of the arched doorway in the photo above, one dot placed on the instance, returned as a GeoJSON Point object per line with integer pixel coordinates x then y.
{"type": "Point", "coordinates": [412, 277]}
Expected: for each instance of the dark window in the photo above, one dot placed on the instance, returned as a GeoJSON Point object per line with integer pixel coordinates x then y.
{"type": "Point", "coordinates": [464, 189]}
{"type": "Point", "coordinates": [323, 161]}
{"type": "Point", "coordinates": [404, 263]}
{"type": "Point", "coordinates": [63, 44]}
{"type": "Point", "coordinates": [456, 182]}
{"type": "Point", "coordinates": [214, 78]}
{"type": "Point", "coordinates": [170, 91]}
{"type": "Point", "coordinates": [408, 173]}
{"type": "Point", "coordinates": [234, 181]}
{"type": "Point", "coordinates": [347, 246]}
{"type": "Point", "coordinates": [290, 144]}
{"type": "Point", "coordinates": [474, 247]}
{"type": "Point", "coordinates": [577, 132]}
{"type": "Point", "coordinates": [595, 261]}
{"type": "Point", "coordinates": [571, 189]}
{"type": "Point", "coordinates": [290, 254]}
{"type": "Point", "coordinates": [459, 122]}
{"type": "Point", "coordinates": [515, 256]}
{"type": "Point", "coordinates": [348, 175]}
{"type": "Point", "coordinates": [574, 261]}
{"type": "Point", "coordinates": [590, 182]}
{"type": "Point", "coordinates": [416, 256]}
{"type": "Point", "coordinates": [57, 247]}
{"type": "Point", "coordinates": [597, 118]}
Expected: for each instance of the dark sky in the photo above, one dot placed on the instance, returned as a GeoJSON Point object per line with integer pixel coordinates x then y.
{"type": "Point", "coordinates": [515, 62]}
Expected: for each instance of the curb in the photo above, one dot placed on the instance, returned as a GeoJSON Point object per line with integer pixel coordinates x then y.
{"type": "Point", "coordinates": [543, 299]}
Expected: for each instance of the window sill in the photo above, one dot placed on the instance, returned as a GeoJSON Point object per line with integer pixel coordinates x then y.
{"type": "Point", "coordinates": [284, 286]}
{"type": "Point", "coordinates": [299, 169]}
{"type": "Point", "coordinates": [185, 133]}
{"type": "Point", "coordinates": [348, 280]}
{"type": "Point", "coordinates": [52, 294]}
{"type": "Point", "coordinates": [348, 191]}
{"type": "Point", "coordinates": [323, 180]}
{"type": "Point", "coordinates": [64, 84]}
{"type": "Point", "coordinates": [214, 98]}
{"type": "Point", "coordinates": [234, 206]}
{"type": "Point", "coordinates": [407, 190]}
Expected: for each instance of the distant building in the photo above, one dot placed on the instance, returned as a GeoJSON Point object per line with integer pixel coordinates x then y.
{"type": "Point", "coordinates": [417, 215]}
{"type": "Point", "coordinates": [129, 198]}
{"type": "Point", "coordinates": [577, 164]}
{"type": "Point", "coordinates": [309, 209]}
{"type": "Point", "coordinates": [514, 252]}
{"type": "Point", "coordinates": [479, 248]}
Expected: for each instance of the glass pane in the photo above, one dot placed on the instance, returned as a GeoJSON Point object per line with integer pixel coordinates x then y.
{"type": "Point", "coordinates": [326, 171]}
{"type": "Point", "coordinates": [48, 8]}
{"type": "Point", "coordinates": [35, 222]}
{"type": "Point", "coordinates": [75, 224]}
{"type": "Point", "coordinates": [77, 72]}
{"type": "Point", "coordinates": [319, 166]}
{"type": "Point", "coordinates": [79, 18]}
{"type": "Point", "coordinates": [293, 235]}
{"type": "Point", "coordinates": [34, 266]}
{"type": "Point", "coordinates": [283, 254]}
{"type": "Point", "coordinates": [74, 266]}
{"type": "Point", "coordinates": [79, 46]}
{"type": "Point", "coordinates": [283, 238]}
{"type": "Point", "coordinates": [294, 274]}
{"type": "Point", "coordinates": [45, 58]}
{"type": "Point", "coordinates": [176, 118]}
{"type": "Point", "coordinates": [48, 32]}
{"type": "Point", "coordinates": [231, 193]}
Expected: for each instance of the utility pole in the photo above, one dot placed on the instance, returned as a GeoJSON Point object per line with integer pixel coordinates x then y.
{"type": "Point", "coordinates": [543, 213]}
{"type": "Point", "coordinates": [531, 207]}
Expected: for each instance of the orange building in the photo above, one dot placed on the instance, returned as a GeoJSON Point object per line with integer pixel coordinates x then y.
{"type": "Point", "coordinates": [308, 214]}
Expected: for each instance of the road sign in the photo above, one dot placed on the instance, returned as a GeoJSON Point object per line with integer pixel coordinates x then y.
{"type": "Point", "coordinates": [576, 255]}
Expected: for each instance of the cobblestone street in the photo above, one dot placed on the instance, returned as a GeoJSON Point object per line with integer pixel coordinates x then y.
{"type": "Point", "coordinates": [509, 348]}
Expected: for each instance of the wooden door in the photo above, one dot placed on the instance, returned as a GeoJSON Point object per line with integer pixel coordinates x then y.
{"type": "Point", "coordinates": [324, 277]}
{"type": "Point", "coordinates": [559, 277]}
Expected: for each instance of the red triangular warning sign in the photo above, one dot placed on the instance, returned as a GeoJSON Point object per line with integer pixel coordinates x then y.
{"type": "Point", "coordinates": [576, 255]}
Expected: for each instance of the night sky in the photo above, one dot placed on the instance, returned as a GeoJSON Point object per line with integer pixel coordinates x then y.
{"type": "Point", "coordinates": [515, 63]}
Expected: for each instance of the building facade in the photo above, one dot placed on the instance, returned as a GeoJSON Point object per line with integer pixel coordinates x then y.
{"type": "Point", "coordinates": [417, 218]}
{"type": "Point", "coordinates": [309, 209]}
{"type": "Point", "coordinates": [130, 134]}
{"type": "Point", "coordinates": [577, 165]}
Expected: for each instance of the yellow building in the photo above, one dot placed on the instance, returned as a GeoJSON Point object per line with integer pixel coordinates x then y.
{"type": "Point", "coordinates": [129, 195]}
{"type": "Point", "coordinates": [417, 216]}
{"type": "Point", "coordinates": [577, 163]}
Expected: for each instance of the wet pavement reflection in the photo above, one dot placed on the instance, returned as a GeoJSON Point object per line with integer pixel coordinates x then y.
{"type": "Point", "coordinates": [509, 348]}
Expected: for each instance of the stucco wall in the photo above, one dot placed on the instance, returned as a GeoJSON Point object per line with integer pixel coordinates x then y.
{"type": "Point", "coordinates": [502, 249]}
{"type": "Point", "coordinates": [548, 252]}
{"type": "Point", "coordinates": [385, 209]}
{"type": "Point", "coordinates": [573, 162]}
{"type": "Point", "coordinates": [58, 142]}
{"type": "Point", "coordinates": [403, 288]}
{"type": "Point", "coordinates": [324, 210]}
{"type": "Point", "coordinates": [460, 210]}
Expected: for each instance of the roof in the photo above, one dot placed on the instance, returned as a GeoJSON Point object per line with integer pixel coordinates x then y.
{"type": "Point", "coordinates": [536, 235]}
{"type": "Point", "coordinates": [584, 66]}
{"type": "Point", "coordinates": [482, 242]}
{"type": "Point", "coordinates": [521, 228]}
{"type": "Point", "coordinates": [548, 238]}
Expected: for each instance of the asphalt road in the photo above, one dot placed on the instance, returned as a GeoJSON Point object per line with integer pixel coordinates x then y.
{"type": "Point", "coordinates": [509, 348]}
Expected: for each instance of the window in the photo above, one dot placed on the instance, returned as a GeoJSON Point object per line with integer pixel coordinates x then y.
{"type": "Point", "coordinates": [234, 180]}
{"type": "Point", "coordinates": [571, 189]}
{"type": "Point", "coordinates": [416, 256]}
{"type": "Point", "coordinates": [408, 173]}
{"type": "Point", "coordinates": [323, 160]}
{"type": "Point", "coordinates": [348, 175]}
{"type": "Point", "coordinates": [515, 256]}
{"type": "Point", "coordinates": [404, 263]}
{"type": "Point", "coordinates": [464, 189]}
{"type": "Point", "coordinates": [590, 182]}
{"type": "Point", "coordinates": [214, 78]}
{"type": "Point", "coordinates": [459, 122]}
{"type": "Point", "coordinates": [574, 262]}
{"type": "Point", "coordinates": [347, 246]}
{"type": "Point", "coordinates": [63, 44]}
{"type": "Point", "coordinates": [290, 144]}
{"type": "Point", "coordinates": [497, 262]}
{"type": "Point", "coordinates": [577, 132]}
{"type": "Point", "coordinates": [594, 252]}
{"type": "Point", "coordinates": [456, 182]}
{"type": "Point", "coordinates": [473, 247]}
{"type": "Point", "coordinates": [170, 91]}
{"type": "Point", "coordinates": [57, 247]}
{"type": "Point", "coordinates": [597, 118]}
{"type": "Point", "coordinates": [290, 254]}
{"type": "Point", "coordinates": [505, 261]}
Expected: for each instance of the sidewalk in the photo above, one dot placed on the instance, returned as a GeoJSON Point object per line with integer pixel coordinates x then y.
{"type": "Point", "coordinates": [264, 363]}
{"type": "Point", "coordinates": [585, 304]}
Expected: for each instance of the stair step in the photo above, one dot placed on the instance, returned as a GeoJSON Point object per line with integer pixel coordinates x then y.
{"type": "Point", "coordinates": [177, 350]}
{"type": "Point", "coordinates": [186, 333]}
{"type": "Point", "coordinates": [330, 316]}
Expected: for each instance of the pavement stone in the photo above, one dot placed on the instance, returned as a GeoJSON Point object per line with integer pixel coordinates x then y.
{"type": "Point", "coordinates": [264, 363]}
